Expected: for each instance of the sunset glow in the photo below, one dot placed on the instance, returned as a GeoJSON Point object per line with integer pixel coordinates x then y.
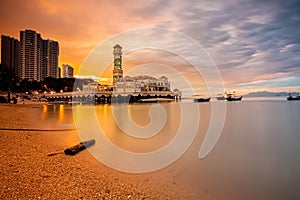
{"type": "Point", "coordinates": [254, 44]}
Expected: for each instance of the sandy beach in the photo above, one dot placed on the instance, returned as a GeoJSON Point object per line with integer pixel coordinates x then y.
{"type": "Point", "coordinates": [27, 172]}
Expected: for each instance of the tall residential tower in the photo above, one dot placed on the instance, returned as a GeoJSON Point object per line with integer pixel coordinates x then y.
{"type": "Point", "coordinates": [38, 57]}
{"type": "Point", "coordinates": [30, 55]}
{"type": "Point", "coordinates": [10, 54]}
{"type": "Point", "coordinates": [50, 52]}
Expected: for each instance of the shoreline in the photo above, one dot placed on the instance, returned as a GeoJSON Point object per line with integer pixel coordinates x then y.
{"type": "Point", "coordinates": [27, 172]}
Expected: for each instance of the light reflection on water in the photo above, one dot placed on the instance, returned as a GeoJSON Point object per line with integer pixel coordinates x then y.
{"type": "Point", "coordinates": [52, 116]}
{"type": "Point", "coordinates": [256, 156]}
{"type": "Point", "coordinates": [139, 113]}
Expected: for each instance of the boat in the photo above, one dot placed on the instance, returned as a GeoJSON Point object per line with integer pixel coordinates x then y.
{"type": "Point", "coordinates": [198, 100]}
{"type": "Point", "coordinates": [220, 98]}
{"type": "Point", "coordinates": [232, 97]}
{"type": "Point", "coordinates": [291, 98]}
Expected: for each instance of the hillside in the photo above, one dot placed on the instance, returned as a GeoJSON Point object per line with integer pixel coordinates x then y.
{"type": "Point", "coordinates": [269, 94]}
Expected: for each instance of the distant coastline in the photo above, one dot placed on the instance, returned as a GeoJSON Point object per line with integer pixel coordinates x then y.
{"type": "Point", "coordinates": [270, 94]}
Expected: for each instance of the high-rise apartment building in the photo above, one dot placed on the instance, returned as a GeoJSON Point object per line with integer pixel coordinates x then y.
{"type": "Point", "coordinates": [50, 52]}
{"type": "Point", "coordinates": [10, 53]}
{"type": "Point", "coordinates": [68, 71]}
{"type": "Point", "coordinates": [53, 58]}
{"type": "Point", "coordinates": [38, 57]}
{"type": "Point", "coordinates": [30, 55]}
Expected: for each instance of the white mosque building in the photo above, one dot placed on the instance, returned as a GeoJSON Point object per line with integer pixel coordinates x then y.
{"type": "Point", "coordinates": [137, 84]}
{"type": "Point", "coordinates": [136, 87]}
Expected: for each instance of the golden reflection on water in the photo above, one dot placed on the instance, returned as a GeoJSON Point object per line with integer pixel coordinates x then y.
{"type": "Point", "coordinates": [54, 116]}
{"type": "Point", "coordinates": [61, 113]}
{"type": "Point", "coordinates": [140, 115]}
{"type": "Point", "coordinates": [101, 117]}
{"type": "Point", "coordinates": [44, 112]}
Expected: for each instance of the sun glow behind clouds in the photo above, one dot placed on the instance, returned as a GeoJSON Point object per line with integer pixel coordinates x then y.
{"type": "Point", "coordinates": [248, 40]}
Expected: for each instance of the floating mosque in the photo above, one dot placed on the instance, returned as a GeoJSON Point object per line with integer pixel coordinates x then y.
{"type": "Point", "coordinates": [140, 88]}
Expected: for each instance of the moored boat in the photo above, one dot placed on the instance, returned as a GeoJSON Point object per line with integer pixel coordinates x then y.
{"type": "Point", "coordinates": [232, 97]}
{"type": "Point", "coordinates": [291, 98]}
{"type": "Point", "coordinates": [198, 100]}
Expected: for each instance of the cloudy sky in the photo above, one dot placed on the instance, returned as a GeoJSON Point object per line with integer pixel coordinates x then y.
{"type": "Point", "coordinates": [254, 44]}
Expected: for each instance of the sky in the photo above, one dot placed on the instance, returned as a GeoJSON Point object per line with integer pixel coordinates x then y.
{"type": "Point", "coordinates": [254, 44]}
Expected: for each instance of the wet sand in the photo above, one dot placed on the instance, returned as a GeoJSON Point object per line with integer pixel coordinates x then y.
{"type": "Point", "coordinates": [26, 172]}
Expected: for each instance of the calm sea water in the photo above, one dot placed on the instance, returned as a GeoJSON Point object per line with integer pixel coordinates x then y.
{"type": "Point", "coordinates": [256, 156]}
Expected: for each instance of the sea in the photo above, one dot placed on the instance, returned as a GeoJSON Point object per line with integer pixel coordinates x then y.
{"type": "Point", "coordinates": [254, 152]}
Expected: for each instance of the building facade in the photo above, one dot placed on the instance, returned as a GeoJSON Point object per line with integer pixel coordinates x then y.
{"type": "Point", "coordinates": [10, 54]}
{"type": "Point", "coordinates": [30, 55]}
{"type": "Point", "coordinates": [38, 58]}
{"type": "Point", "coordinates": [137, 84]}
{"type": "Point", "coordinates": [142, 84]}
{"type": "Point", "coordinates": [67, 71]}
{"type": "Point", "coordinates": [50, 53]}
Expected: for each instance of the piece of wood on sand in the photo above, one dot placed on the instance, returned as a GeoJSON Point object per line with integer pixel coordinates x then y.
{"type": "Point", "coordinates": [79, 147]}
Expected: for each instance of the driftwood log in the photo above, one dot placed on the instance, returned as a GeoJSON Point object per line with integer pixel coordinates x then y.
{"type": "Point", "coordinates": [79, 147]}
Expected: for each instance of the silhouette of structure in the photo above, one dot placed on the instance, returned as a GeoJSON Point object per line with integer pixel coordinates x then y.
{"type": "Point", "coordinates": [10, 54]}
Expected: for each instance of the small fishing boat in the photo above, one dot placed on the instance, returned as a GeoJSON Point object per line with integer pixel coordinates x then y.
{"type": "Point", "coordinates": [291, 98]}
{"type": "Point", "coordinates": [232, 97]}
{"type": "Point", "coordinates": [198, 100]}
